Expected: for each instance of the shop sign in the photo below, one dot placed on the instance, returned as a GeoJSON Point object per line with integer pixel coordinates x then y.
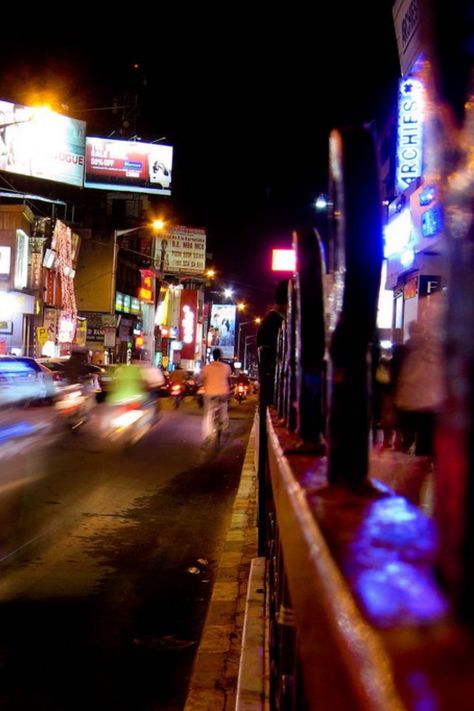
{"type": "Point", "coordinates": [5, 261]}
{"type": "Point", "coordinates": [429, 284]}
{"type": "Point", "coordinates": [187, 325]}
{"type": "Point", "coordinates": [41, 335]}
{"type": "Point", "coordinates": [35, 271]}
{"type": "Point", "coordinates": [50, 320]}
{"type": "Point", "coordinates": [21, 265]}
{"type": "Point", "coordinates": [410, 133]}
{"type": "Point", "coordinates": [6, 327]}
{"type": "Point", "coordinates": [146, 290]}
{"type": "Point", "coordinates": [81, 332]}
{"type": "Point", "coordinates": [410, 289]}
{"type": "Point", "coordinates": [118, 301]}
{"type": "Point", "coordinates": [109, 337]}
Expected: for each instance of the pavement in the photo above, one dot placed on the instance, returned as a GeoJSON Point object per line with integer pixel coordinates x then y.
{"type": "Point", "coordinates": [229, 670]}
{"type": "Point", "coordinates": [231, 667]}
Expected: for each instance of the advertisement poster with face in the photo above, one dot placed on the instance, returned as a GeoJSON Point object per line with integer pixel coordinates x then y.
{"type": "Point", "coordinates": [222, 328]}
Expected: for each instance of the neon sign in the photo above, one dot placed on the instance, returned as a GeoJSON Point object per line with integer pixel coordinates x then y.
{"type": "Point", "coordinates": [188, 324]}
{"type": "Point", "coordinates": [410, 133]}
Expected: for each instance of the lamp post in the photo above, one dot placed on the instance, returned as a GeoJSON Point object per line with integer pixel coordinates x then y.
{"type": "Point", "coordinates": [247, 339]}
{"type": "Point", "coordinates": [147, 317]}
{"type": "Point", "coordinates": [256, 321]}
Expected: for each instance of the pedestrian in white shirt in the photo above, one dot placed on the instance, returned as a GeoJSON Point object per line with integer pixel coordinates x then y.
{"type": "Point", "coordinates": [217, 388]}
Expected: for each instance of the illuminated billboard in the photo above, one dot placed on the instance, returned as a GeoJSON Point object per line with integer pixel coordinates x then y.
{"type": "Point", "coordinates": [129, 166]}
{"type": "Point", "coordinates": [283, 260]}
{"type": "Point", "coordinates": [222, 329]}
{"type": "Point", "coordinates": [40, 143]}
{"type": "Point", "coordinates": [181, 250]}
{"type": "Point", "coordinates": [410, 133]}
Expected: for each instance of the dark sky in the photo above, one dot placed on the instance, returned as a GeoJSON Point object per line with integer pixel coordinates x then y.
{"type": "Point", "coordinates": [247, 96]}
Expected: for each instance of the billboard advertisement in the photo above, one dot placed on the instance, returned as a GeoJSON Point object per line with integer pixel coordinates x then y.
{"type": "Point", "coordinates": [129, 166]}
{"type": "Point", "coordinates": [222, 329]}
{"type": "Point", "coordinates": [188, 323]}
{"type": "Point", "coordinates": [181, 250]}
{"type": "Point", "coordinates": [40, 143]}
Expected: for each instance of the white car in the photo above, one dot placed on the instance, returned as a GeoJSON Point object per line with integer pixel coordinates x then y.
{"type": "Point", "coordinates": [24, 380]}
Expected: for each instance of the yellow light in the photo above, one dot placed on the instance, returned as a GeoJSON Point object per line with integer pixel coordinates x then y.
{"type": "Point", "coordinates": [158, 224]}
{"type": "Point", "coordinates": [258, 320]}
{"type": "Point", "coordinates": [210, 273]}
{"type": "Point", "coordinates": [241, 306]}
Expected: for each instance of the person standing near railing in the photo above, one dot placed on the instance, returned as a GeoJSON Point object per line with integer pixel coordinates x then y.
{"type": "Point", "coordinates": [267, 336]}
{"type": "Point", "coordinates": [267, 342]}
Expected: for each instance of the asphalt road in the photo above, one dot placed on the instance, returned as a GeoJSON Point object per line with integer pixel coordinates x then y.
{"type": "Point", "coordinates": [108, 561]}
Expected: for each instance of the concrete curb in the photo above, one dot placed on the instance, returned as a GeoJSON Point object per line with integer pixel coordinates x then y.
{"type": "Point", "coordinates": [253, 682]}
{"type": "Point", "coordinates": [216, 668]}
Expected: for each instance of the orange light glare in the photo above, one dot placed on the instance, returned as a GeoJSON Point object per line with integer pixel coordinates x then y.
{"type": "Point", "coordinates": [144, 294]}
{"type": "Point", "coordinates": [283, 260]}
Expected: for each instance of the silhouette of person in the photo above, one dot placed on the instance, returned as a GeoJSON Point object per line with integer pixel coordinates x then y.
{"type": "Point", "coordinates": [267, 335]}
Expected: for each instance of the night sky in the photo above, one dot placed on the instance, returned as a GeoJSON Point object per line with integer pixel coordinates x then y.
{"type": "Point", "coordinates": [247, 96]}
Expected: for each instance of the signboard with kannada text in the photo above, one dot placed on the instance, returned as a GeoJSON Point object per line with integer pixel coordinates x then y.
{"type": "Point", "coordinates": [181, 250]}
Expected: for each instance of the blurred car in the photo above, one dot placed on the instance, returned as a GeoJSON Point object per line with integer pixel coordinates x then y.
{"type": "Point", "coordinates": [59, 367]}
{"type": "Point", "coordinates": [24, 380]}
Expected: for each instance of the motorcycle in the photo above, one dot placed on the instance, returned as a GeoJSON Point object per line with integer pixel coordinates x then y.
{"type": "Point", "coordinates": [177, 392]}
{"type": "Point", "coordinates": [126, 422]}
{"type": "Point", "coordinates": [240, 392]}
{"type": "Point", "coordinates": [73, 405]}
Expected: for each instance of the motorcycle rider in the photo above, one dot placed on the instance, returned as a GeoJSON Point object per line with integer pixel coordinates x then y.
{"type": "Point", "coordinates": [178, 377]}
{"type": "Point", "coordinates": [241, 387]}
{"type": "Point", "coordinates": [77, 368]}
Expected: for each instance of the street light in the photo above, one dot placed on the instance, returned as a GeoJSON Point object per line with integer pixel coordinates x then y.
{"type": "Point", "coordinates": [156, 225]}
{"type": "Point", "coordinates": [247, 339]}
{"type": "Point", "coordinates": [256, 321]}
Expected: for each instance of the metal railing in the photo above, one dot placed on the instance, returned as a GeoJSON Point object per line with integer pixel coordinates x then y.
{"type": "Point", "coordinates": [370, 601]}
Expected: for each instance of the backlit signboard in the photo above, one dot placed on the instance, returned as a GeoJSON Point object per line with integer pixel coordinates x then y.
{"type": "Point", "coordinates": [410, 133]}
{"type": "Point", "coordinates": [5, 261]}
{"type": "Point", "coordinates": [222, 329]}
{"type": "Point", "coordinates": [181, 250]}
{"type": "Point", "coordinates": [129, 166]}
{"type": "Point", "coordinates": [21, 265]}
{"type": "Point", "coordinates": [283, 260]}
{"type": "Point", "coordinates": [407, 21]}
{"type": "Point", "coordinates": [187, 323]}
{"type": "Point", "coordinates": [40, 143]}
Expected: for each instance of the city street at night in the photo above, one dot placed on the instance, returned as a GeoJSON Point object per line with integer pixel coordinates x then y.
{"type": "Point", "coordinates": [108, 562]}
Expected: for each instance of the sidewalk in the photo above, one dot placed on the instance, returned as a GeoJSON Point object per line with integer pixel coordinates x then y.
{"type": "Point", "coordinates": [215, 675]}
{"type": "Point", "coordinates": [406, 474]}
{"type": "Point", "coordinates": [229, 674]}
